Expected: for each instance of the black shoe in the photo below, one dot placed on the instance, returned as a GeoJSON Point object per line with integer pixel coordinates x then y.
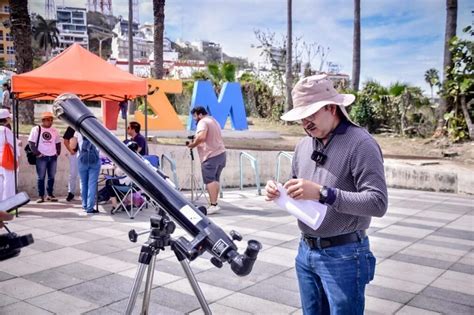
{"type": "Point", "coordinates": [70, 196]}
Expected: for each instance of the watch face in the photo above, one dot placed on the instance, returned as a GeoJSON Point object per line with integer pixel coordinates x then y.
{"type": "Point", "coordinates": [324, 192]}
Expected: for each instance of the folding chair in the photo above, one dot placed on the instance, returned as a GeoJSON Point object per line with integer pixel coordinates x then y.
{"type": "Point", "coordinates": [153, 159]}
{"type": "Point", "coordinates": [127, 197]}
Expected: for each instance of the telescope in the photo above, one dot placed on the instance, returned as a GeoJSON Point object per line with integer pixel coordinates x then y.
{"type": "Point", "coordinates": [207, 236]}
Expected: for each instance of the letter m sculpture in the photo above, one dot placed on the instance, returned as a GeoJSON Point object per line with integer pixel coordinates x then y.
{"type": "Point", "coordinates": [230, 102]}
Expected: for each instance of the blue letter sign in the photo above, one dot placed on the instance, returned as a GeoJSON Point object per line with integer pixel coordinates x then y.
{"type": "Point", "coordinates": [231, 102]}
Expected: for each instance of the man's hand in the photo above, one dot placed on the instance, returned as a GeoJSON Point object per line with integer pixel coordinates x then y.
{"type": "Point", "coordinates": [4, 217]}
{"type": "Point", "coordinates": [299, 188]}
{"type": "Point", "coordinates": [271, 191]}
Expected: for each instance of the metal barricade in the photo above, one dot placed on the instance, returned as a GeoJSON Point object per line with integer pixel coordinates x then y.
{"type": "Point", "coordinates": [287, 155]}
{"type": "Point", "coordinates": [254, 163]}
{"type": "Point", "coordinates": [165, 157]}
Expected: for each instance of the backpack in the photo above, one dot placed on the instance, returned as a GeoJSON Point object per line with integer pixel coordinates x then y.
{"type": "Point", "coordinates": [88, 155]}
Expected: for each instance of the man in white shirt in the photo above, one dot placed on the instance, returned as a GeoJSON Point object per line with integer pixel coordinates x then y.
{"type": "Point", "coordinates": [47, 147]}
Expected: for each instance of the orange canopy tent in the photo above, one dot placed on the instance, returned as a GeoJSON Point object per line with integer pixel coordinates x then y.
{"type": "Point", "coordinates": [78, 71]}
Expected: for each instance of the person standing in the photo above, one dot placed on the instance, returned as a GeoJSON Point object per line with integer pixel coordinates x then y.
{"type": "Point", "coordinates": [47, 152]}
{"type": "Point", "coordinates": [211, 150]}
{"type": "Point", "coordinates": [340, 165]}
{"type": "Point", "coordinates": [73, 166]}
{"type": "Point", "coordinates": [133, 130]}
{"type": "Point", "coordinates": [7, 176]}
{"type": "Point", "coordinates": [89, 169]}
{"type": "Point", "coordinates": [6, 102]}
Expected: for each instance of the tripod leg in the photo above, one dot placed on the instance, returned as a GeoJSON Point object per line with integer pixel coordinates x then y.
{"type": "Point", "coordinates": [136, 288]}
{"type": "Point", "coordinates": [195, 286]}
{"type": "Point", "coordinates": [148, 285]}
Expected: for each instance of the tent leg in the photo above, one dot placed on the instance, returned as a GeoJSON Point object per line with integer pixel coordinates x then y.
{"type": "Point", "coordinates": [146, 118]}
{"type": "Point", "coordinates": [15, 144]}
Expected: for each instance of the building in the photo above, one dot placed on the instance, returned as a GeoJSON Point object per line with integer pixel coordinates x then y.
{"type": "Point", "coordinates": [72, 26]}
{"type": "Point", "coordinates": [142, 46]}
{"type": "Point", "coordinates": [143, 49]}
{"type": "Point", "coordinates": [7, 51]}
{"type": "Point", "coordinates": [211, 49]}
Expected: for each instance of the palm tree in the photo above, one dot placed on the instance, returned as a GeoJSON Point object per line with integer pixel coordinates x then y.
{"type": "Point", "coordinates": [432, 78]}
{"type": "Point", "coordinates": [21, 33]}
{"type": "Point", "coordinates": [451, 24]}
{"type": "Point", "coordinates": [289, 59]}
{"type": "Point", "coordinates": [47, 35]}
{"type": "Point", "coordinates": [225, 72]}
{"type": "Point", "coordinates": [356, 47]}
{"type": "Point", "coordinates": [159, 29]}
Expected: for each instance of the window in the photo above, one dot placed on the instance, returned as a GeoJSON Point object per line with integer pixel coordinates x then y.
{"type": "Point", "coordinates": [79, 15]}
{"type": "Point", "coordinates": [2, 49]}
{"type": "Point", "coordinates": [6, 9]}
{"type": "Point", "coordinates": [1, 35]}
{"type": "Point", "coordinates": [10, 50]}
{"type": "Point", "coordinates": [8, 37]}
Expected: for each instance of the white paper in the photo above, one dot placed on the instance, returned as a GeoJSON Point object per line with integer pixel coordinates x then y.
{"type": "Point", "coordinates": [310, 212]}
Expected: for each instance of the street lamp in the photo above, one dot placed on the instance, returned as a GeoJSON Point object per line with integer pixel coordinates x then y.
{"type": "Point", "coordinates": [100, 34]}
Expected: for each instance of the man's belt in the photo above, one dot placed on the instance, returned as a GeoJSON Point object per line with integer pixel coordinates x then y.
{"type": "Point", "coordinates": [325, 242]}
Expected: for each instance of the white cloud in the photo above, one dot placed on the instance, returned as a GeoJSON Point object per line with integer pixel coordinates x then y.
{"type": "Point", "coordinates": [388, 54]}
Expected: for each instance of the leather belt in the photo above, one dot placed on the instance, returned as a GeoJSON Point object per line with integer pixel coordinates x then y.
{"type": "Point", "coordinates": [325, 242]}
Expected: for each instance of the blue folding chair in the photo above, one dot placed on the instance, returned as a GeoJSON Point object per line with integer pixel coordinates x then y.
{"type": "Point", "coordinates": [153, 159]}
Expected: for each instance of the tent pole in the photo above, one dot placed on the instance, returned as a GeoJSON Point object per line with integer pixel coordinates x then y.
{"type": "Point", "coordinates": [146, 118]}
{"type": "Point", "coordinates": [15, 135]}
{"type": "Point", "coordinates": [126, 118]}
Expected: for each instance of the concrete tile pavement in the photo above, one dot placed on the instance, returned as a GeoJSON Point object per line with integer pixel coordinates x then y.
{"type": "Point", "coordinates": [86, 264]}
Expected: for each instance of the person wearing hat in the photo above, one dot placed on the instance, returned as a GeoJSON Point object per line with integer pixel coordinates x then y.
{"type": "Point", "coordinates": [340, 165]}
{"type": "Point", "coordinates": [7, 176]}
{"type": "Point", "coordinates": [47, 148]}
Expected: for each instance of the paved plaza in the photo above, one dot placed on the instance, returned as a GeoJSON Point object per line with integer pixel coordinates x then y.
{"type": "Point", "coordinates": [86, 264]}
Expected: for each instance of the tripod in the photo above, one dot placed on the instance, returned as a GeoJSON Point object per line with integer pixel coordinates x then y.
{"type": "Point", "coordinates": [194, 183]}
{"type": "Point", "coordinates": [160, 237]}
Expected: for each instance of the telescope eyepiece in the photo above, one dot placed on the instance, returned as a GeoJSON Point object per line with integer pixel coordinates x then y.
{"type": "Point", "coordinates": [242, 265]}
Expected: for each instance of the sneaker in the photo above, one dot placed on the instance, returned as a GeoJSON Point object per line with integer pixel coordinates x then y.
{"type": "Point", "coordinates": [70, 196]}
{"type": "Point", "coordinates": [40, 200]}
{"type": "Point", "coordinates": [52, 198]}
{"type": "Point", "coordinates": [213, 209]}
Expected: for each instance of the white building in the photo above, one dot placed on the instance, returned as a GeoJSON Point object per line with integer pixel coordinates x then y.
{"type": "Point", "coordinates": [72, 26]}
{"type": "Point", "coordinates": [142, 47]}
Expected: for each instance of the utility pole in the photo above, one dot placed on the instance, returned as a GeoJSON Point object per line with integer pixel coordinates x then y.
{"type": "Point", "coordinates": [131, 104]}
{"type": "Point", "coordinates": [130, 36]}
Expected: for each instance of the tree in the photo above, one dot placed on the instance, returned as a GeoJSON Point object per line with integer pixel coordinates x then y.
{"type": "Point", "coordinates": [451, 24]}
{"type": "Point", "coordinates": [432, 78]}
{"type": "Point", "coordinates": [356, 47]}
{"type": "Point", "coordinates": [460, 87]}
{"type": "Point", "coordinates": [46, 34]}
{"type": "Point", "coordinates": [159, 29]}
{"type": "Point", "coordinates": [289, 59]}
{"type": "Point", "coordinates": [21, 32]}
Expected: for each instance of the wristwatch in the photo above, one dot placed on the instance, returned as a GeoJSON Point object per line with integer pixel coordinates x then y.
{"type": "Point", "coordinates": [323, 194]}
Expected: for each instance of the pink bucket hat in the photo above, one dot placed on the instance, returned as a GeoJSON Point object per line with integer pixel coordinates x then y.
{"type": "Point", "coordinates": [312, 93]}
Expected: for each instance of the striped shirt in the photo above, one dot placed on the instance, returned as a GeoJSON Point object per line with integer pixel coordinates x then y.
{"type": "Point", "coordinates": [354, 174]}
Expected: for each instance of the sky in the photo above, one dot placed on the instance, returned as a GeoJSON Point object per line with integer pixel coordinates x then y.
{"type": "Point", "coordinates": [400, 39]}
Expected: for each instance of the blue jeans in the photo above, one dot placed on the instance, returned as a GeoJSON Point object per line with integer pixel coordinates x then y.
{"type": "Point", "coordinates": [332, 280]}
{"type": "Point", "coordinates": [46, 164]}
{"type": "Point", "coordinates": [89, 175]}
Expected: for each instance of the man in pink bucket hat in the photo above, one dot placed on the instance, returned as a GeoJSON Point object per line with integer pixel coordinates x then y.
{"type": "Point", "coordinates": [340, 165]}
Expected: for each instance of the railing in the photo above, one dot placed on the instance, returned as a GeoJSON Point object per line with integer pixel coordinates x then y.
{"type": "Point", "coordinates": [165, 157]}
{"type": "Point", "coordinates": [287, 155]}
{"type": "Point", "coordinates": [254, 163]}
